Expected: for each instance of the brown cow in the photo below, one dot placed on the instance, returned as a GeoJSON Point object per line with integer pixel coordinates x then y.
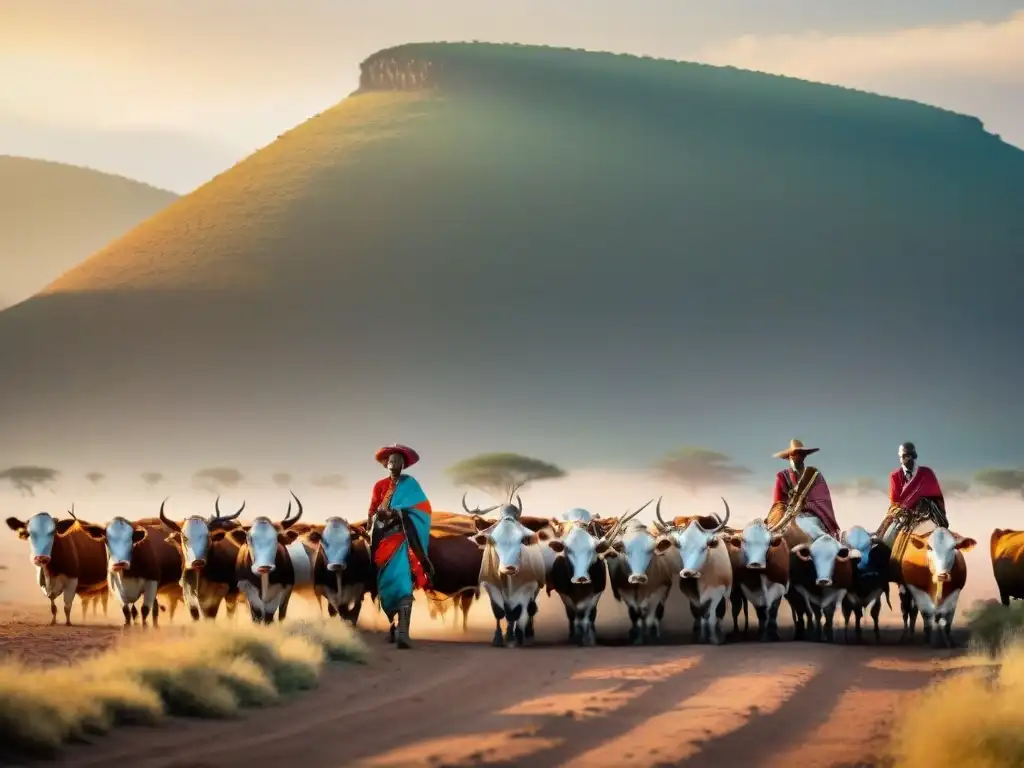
{"type": "Point", "coordinates": [760, 562]}
{"type": "Point", "coordinates": [67, 560]}
{"type": "Point", "coordinates": [342, 568]}
{"type": "Point", "coordinates": [820, 574]}
{"type": "Point", "coordinates": [138, 559]}
{"type": "Point", "coordinates": [208, 559]}
{"type": "Point", "coordinates": [642, 577]}
{"type": "Point", "coordinates": [934, 573]}
{"type": "Point", "coordinates": [1007, 549]}
{"type": "Point", "coordinates": [264, 569]}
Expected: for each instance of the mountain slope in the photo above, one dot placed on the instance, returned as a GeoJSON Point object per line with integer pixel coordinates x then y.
{"type": "Point", "coordinates": [54, 215]}
{"type": "Point", "coordinates": [494, 247]}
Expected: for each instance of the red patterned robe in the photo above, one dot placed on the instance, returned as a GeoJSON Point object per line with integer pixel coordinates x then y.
{"type": "Point", "coordinates": [818, 501]}
{"type": "Point", "coordinates": [923, 484]}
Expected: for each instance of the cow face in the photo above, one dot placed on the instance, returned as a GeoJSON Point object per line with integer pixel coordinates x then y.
{"type": "Point", "coordinates": [824, 552]}
{"type": "Point", "coordinates": [582, 550]}
{"type": "Point", "coordinates": [335, 541]}
{"type": "Point", "coordinates": [693, 543]}
{"type": "Point", "coordinates": [508, 537]}
{"type": "Point", "coordinates": [577, 515]}
{"type": "Point", "coordinates": [942, 547]}
{"type": "Point", "coordinates": [120, 536]}
{"type": "Point", "coordinates": [40, 531]}
{"type": "Point", "coordinates": [194, 537]}
{"type": "Point", "coordinates": [636, 547]}
{"type": "Point", "coordinates": [263, 539]}
{"type": "Point", "coordinates": [754, 542]}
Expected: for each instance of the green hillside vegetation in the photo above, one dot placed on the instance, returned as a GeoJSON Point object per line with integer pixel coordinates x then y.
{"type": "Point", "coordinates": [52, 216]}
{"type": "Point", "coordinates": [556, 228]}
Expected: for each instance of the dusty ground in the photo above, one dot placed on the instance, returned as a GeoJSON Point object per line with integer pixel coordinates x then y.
{"type": "Point", "coordinates": [460, 702]}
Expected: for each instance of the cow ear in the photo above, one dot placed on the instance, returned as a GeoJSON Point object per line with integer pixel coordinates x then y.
{"type": "Point", "coordinates": [802, 551]}
{"type": "Point", "coordinates": [175, 536]}
{"type": "Point", "coordinates": [734, 541]}
{"type": "Point", "coordinates": [965, 545]}
{"type": "Point", "coordinates": [843, 553]}
{"type": "Point", "coordinates": [480, 523]}
{"type": "Point", "coordinates": [289, 536]}
{"type": "Point", "coordinates": [95, 532]}
{"type": "Point", "coordinates": [138, 535]}
{"type": "Point", "coordinates": [544, 534]}
{"type": "Point", "coordinates": [530, 539]}
{"type": "Point", "coordinates": [663, 545]}
{"type": "Point", "coordinates": [218, 535]}
{"type": "Point", "coordinates": [238, 536]}
{"type": "Point", "coordinates": [602, 546]}
{"type": "Point", "coordinates": [619, 545]}
{"type": "Point", "coordinates": [480, 539]}
{"type": "Point", "coordinates": [63, 527]}
{"type": "Point", "coordinates": [713, 542]}
{"type": "Point", "coordinates": [918, 543]}
{"type": "Point", "coordinates": [775, 540]}
{"type": "Point", "coordinates": [15, 524]}
{"type": "Point", "coordinates": [557, 545]}
{"type": "Point", "coordinates": [315, 537]}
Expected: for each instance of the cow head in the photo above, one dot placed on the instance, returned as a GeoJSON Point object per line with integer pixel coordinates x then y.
{"type": "Point", "coordinates": [754, 541]}
{"type": "Point", "coordinates": [824, 552]}
{"type": "Point", "coordinates": [195, 533]}
{"type": "Point", "coordinates": [692, 539]}
{"type": "Point", "coordinates": [507, 537]}
{"type": "Point", "coordinates": [577, 515]}
{"type": "Point", "coordinates": [121, 536]}
{"type": "Point", "coordinates": [942, 546]}
{"type": "Point", "coordinates": [581, 549]}
{"type": "Point", "coordinates": [636, 547]}
{"type": "Point", "coordinates": [263, 538]}
{"type": "Point", "coordinates": [336, 541]}
{"type": "Point", "coordinates": [40, 530]}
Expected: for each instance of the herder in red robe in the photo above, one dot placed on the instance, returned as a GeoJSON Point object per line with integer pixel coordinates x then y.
{"type": "Point", "coordinates": [914, 492]}
{"type": "Point", "coordinates": [792, 483]}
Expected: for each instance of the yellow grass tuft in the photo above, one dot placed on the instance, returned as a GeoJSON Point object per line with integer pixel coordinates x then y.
{"type": "Point", "coordinates": [973, 719]}
{"type": "Point", "coordinates": [209, 670]}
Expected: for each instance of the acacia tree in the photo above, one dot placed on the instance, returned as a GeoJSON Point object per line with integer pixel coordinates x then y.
{"type": "Point", "coordinates": [501, 474]}
{"type": "Point", "coordinates": [95, 477]}
{"type": "Point", "coordinates": [26, 479]}
{"type": "Point", "coordinates": [214, 479]}
{"type": "Point", "coordinates": [329, 481]}
{"type": "Point", "coordinates": [699, 468]}
{"type": "Point", "coordinates": [152, 478]}
{"type": "Point", "coordinates": [282, 479]}
{"type": "Point", "coordinates": [1005, 480]}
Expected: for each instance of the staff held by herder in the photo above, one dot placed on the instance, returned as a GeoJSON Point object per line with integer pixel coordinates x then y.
{"type": "Point", "coordinates": [400, 516]}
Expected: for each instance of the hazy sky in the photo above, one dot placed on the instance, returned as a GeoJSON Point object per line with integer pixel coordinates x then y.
{"type": "Point", "coordinates": [175, 92]}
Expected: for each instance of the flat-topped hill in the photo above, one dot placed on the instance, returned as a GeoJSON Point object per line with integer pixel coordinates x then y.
{"type": "Point", "coordinates": [594, 253]}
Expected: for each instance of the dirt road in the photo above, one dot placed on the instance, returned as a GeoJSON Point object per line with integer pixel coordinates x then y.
{"type": "Point", "coordinates": [457, 703]}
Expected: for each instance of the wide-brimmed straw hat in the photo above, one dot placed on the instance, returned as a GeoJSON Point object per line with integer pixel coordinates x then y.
{"type": "Point", "coordinates": [795, 447]}
{"type": "Point", "coordinates": [410, 456]}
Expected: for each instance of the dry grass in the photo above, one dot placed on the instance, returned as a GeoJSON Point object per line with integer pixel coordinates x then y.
{"type": "Point", "coordinates": [994, 626]}
{"type": "Point", "coordinates": [210, 671]}
{"type": "Point", "coordinates": [974, 718]}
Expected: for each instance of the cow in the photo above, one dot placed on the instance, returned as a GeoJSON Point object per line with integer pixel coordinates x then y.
{"type": "Point", "coordinates": [67, 560]}
{"type": "Point", "coordinates": [140, 561]}
{"type": "Point", "coordinates": [264, 568]}
{"type": "Point", "coordinates": [820, 575]}
{"type": "Point", "coordinates": [1007, 548]}
{"type": "Point", "coordinates": [456, 580]}
{"type": "Point", "coordinates": [706, 574]}
{"type": "Point", "coordinates": [342, 568]}
{"type": "Point", "coordinates": [642, 577]}
{"type": "Point", "coordinates": [208, 559]}
{"type": "Point", "coordinates": [760, 561]}
{"type": "Point", "coordinates": [870, 581]}
{"type": "Point", "coordinates": [512, 572]}
{"type": "Point", "coordinates": [934, 572]}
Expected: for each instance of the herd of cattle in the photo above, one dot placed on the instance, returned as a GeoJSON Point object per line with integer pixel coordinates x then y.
{"type": "Point", "coordinates": [208, 561]}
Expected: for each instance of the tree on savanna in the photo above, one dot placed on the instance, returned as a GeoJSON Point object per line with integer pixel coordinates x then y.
{"type": "Point", "coordinates": [26, 479]}
{"type": "Point", "coordinates": [214, 479]}
{"type": "Point", "coordinates": [282, 479]}
{"type": "Point", "coordinates": [1004, 480]}
{"type": "Point", "coordinates": [699, 468]}
{"type": "Point", "coordinates": [95, 477]}
{"type": "Point", "coordinates": [501, 474]}
{"type": "Point", "coordinates": [152, 478]}
{"type": "Point", "coordinates": [329, 481]}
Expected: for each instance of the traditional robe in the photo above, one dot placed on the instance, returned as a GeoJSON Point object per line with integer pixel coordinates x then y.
{"type": "Point", "coordinates": [818, 501]}
{"type": "Point", "coordinates": [923, 484]}
{"type": "Point", "coordinates": [401, 567]}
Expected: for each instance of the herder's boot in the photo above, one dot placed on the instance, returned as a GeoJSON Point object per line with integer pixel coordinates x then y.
{"type": "Point", "coordinates": [404, 617]}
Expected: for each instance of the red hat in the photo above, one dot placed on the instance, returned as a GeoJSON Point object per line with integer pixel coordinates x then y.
{"type": "Point", "coordinates": [410, 456]}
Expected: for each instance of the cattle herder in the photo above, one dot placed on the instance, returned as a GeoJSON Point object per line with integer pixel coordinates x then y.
{"type": "Point", "coordinates": [800, 481]}
{"type": "Point", "coordinates": [914, 496]}
{"type": "Point", "coordinates": [400, 516]}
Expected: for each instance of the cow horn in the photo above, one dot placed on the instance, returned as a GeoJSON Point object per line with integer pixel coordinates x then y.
{"type": "Point", "coordinates": [477, 511]}
{"type": "Point", "coordinates": [721, 522]}
{"type": "Point", "coordinates": [617, 526]}
{"type": "Point", "coordinates": [659, 521]}
{"type": "Point", "coordinates": [234, 515]}
{"type": "Point", "coordinates": [72, 511]}
{"type": "Point", "coordinates": [519, 504]}
{"type": "Point", "coordinates": [289, 521]}
{"type": "Point", "coordinates": [168, 523]}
